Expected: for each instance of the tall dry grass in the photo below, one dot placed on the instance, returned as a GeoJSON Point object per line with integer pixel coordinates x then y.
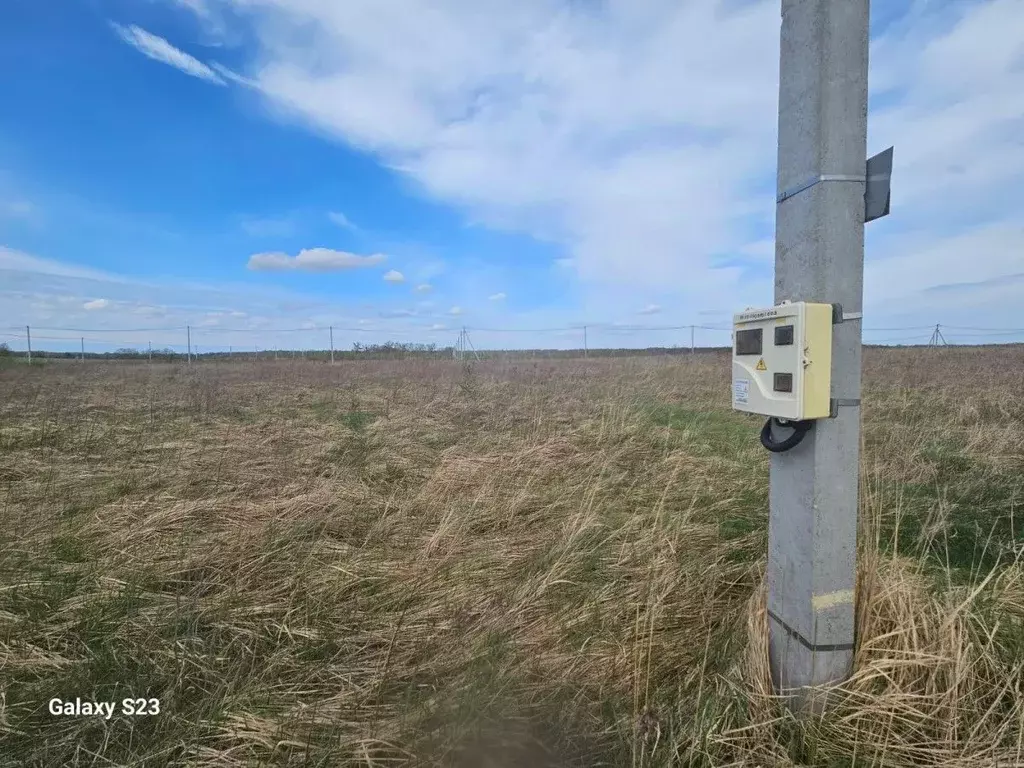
{"type": "Point", "coordinates": [505, 564]}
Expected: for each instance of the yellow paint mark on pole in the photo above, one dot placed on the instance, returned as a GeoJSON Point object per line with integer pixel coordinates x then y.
{"type": "Point", "coordinates": [832, 599]}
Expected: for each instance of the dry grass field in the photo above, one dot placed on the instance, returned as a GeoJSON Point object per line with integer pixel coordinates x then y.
{"type": "Point", "coordinates": [502, 564]}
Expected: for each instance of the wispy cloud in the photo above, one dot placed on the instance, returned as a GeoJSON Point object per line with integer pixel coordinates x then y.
{"type": "Point", "coordinates": [394, 276]}
{"type": "Point", "coordinates": [455, 311]}
{"type": "Point", "coordinates": [650, 309]}
{"type": "Point", "coordinates": [581, 104]}
{"type": "Point", "coordinates": [497, 297]}
{"type": "Point", "coordinates": [199, 7]}
{"type": "Point", "coordinates": [158, 49]}
{"type": "Point", "coordinates": [17, 209]}
{"type": "Point", "coordinates": [96, 304]}
{"type": "Point", "coordinates": [423, 288]}
{"type": "Point", "coordinates": [24, 263]}
{"type": "Point", "coordinates": [312, 260]}
{"type": "Point", "coordinates": [336, 217]}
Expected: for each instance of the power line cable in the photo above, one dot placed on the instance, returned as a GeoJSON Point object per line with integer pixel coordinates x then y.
{"type": "Point", "coordinates": [109, 330]}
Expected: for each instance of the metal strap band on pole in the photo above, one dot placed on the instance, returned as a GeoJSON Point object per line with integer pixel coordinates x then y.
{"type": "Point", "coordinates": [814, 180]}
{"type": "Point", "coordinates": [821, 647]}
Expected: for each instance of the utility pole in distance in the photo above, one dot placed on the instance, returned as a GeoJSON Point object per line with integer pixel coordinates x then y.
{"type": "Point", "coordinates": [819, 257]}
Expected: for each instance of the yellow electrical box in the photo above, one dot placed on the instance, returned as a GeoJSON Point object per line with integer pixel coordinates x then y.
{"type": "Point", "coordinates": [782, 361]}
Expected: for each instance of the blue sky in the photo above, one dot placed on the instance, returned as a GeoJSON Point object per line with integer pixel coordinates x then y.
{"type": "Point", "coordinates": [406, 168]}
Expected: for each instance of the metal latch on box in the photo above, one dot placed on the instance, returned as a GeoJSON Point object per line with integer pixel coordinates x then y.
{"type": "Point", "coordinates": [838, 316]}
{"type": "Point", "coordinates": [835, 403]}
{"type": "Point", "coordinates": [842, 402]}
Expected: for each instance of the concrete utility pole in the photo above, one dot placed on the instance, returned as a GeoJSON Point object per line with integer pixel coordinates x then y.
{"type": "Point", "coordinates": [585, 350]}
{"type": "Point", "coordinates": [188, 331]}
{"type": "Point", "coordinates": [81, 357]}
{"type": "Point", "coordinates": [332, 344]}
{"type": "Point", "coordinates": [28, 342]}
{"type": "Point", "coordinates": [819, 257]}
{"type": "Point", "coordinates": [692, 349]}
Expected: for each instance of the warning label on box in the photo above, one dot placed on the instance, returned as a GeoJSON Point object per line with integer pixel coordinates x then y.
{"type": "Point", "coordinates": [741, 391]}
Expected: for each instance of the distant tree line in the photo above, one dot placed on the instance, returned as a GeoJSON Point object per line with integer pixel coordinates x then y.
{"type": "Point", "coordinates": [124, 353]}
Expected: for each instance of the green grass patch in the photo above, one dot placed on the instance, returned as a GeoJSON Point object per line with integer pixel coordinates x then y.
{"type": "Point", "coordinates": [717, 434]}
{"type": "Point", "coordinates": [708, 432]}
{"type": "Point", "coordinates": [358, 421]}
{"type": "Point", "coordinates": [967, 518]}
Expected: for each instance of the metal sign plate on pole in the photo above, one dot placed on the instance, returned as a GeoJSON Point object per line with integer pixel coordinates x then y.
{"type": "Point", "coordinates": [877, 190]}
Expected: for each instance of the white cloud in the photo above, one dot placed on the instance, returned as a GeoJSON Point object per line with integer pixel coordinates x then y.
{"type": "Point", "coordinates": [158, 49]}
{"type": "Point", "coordinates": [198, 7]}
{"type": "Point", "coordinates": [574, 123]}
{"type": "Point", "coordinates": [567, 108]}
{"type": "Point", "coordinates": [455, 311]}
{"type": "Point", "coordinates": [438, 327]}
{"type": "Point", "coordinates": [638, 139]}
{"type": "Point", "coordinates": [336, 217]}
{"type": "Point", "coordinates": [650, 309]}
{"type": "Point", "coordinates": [394, 276]}
{"type": "Point", "coordinates": [312, 260]}
{"type": "Point", "coordinates": [233, 76]}
{"type": "Point", "coordinates": [423, 288]}
{"type": "Point", "coordinates": [147, 310]}
{"type": "Point", "coordinates": [955, 260]}
{"type": "Point", "coordinates": [18, 261]}
{"type": "Point", "coordinates": [497, 297]}
{"type": "Point", "coordinates": [96, 304]}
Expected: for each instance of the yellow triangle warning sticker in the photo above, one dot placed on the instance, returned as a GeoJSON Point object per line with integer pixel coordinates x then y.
{"type": "Point", "coordinates": [761, 366]}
